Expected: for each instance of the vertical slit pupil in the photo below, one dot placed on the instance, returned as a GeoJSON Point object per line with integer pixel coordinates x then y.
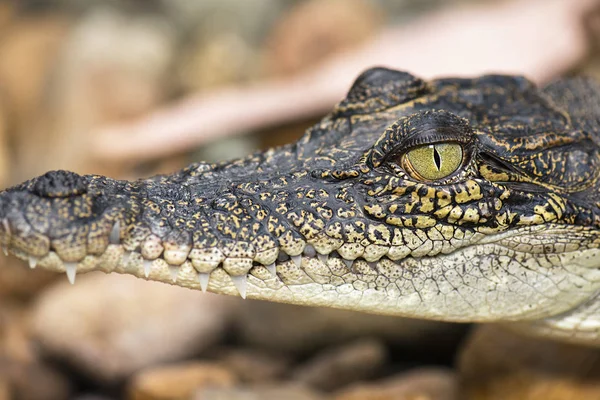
{"type": "Point", "coordinates": [437, 159]}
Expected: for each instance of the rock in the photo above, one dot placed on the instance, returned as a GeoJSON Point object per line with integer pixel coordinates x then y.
{"type": "Point", "coordinates": [28, 51]}
{"type": "Point", "coordinates": [218, 60]}
{"type": "Point", "coordinates": [337, 367]}
{"type": "Point", "coordinates": [314, 30]}
{"type": "Point", "coordinates": [178, 381]}
{"type": "Point", "coordinates": [91, 396]}
{"type": "Point", "coordinates": [212, 16]}
{"type": "Point", "coordinates": [7, 12]}
{"type": "Point", "coordinates": [17, 280]}
{"type": "Point", "coordinates": [287, 391]}
{"type": "Point", "coordinates": [420, 384]}
{"type": "Point", "coordinates": [20, 364]}
{"type": "Point", "coordinates": [15, 335]}
{"type": "Point", "coordinates": [253, 366]}
{"type": "Point", "coordinates": [4, 389]}
{"type": "Point", "coordinates": [5, 156]}
{"type": "Point", "coordinates": [500, 364]}
{"type": "Point", "coordinates": [108, 326]}
{"type": "Point", "coordinates": [112, 67]}
{"type": "Point", "coordinates": [294, 329]}
{"type": "Point", "coordinates": [49, 383]}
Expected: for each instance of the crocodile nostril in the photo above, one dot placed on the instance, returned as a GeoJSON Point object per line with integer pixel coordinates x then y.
{"type": "Point", "coordinates": [59, 184]}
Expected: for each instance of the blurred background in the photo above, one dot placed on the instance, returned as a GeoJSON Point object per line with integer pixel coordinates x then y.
{"type": "Point", "coordinates": [132, 88]}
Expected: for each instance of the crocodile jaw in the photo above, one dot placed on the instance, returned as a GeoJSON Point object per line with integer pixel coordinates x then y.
{"type": "Point", "coordinates": [490, 281]}
{"type": "Point", "coordinates": [339, 219]}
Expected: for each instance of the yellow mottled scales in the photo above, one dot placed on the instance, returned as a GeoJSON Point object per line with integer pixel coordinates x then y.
{"type": "Point", "coordinates": [470, 200]}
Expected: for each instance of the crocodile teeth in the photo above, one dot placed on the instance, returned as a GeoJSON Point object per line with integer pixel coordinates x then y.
{"type": "Point", "coordinates": [174, 271]}
{"type": "Point", "coordinates": [349, 263]}
{"type": "Point", "coordinates": [203, 279]}
{"type": "Point", "coordinates": [115, 233]}
{"type": "Point", "coordinates": [71, 270]}
{"type": "Point", "coordinates": [241, 284]}
{"type": "Point", "coordinates": [147, 267]}
{"type": "Point", "coordinates": [297, 260]}
{"type": "Point", "coordinates": [32, 262]}
{"type": "Point", "coordinates": [5, 250]}
{"type": "Point", "coordinates": [6, 226]}
{"type": "Point", "coordinates": [323, 258]}
{"type": "Point", "coordinates": [272, 269]}
{"type": "Point", "coordinates": [127, 257]}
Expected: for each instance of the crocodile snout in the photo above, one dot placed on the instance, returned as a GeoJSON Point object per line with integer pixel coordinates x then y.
{"type": "Point", "coordinates": [55, 217]}
{"type": "Point", "coordinates": [19, 206]}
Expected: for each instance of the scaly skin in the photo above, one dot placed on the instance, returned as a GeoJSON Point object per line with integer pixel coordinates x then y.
{"type": "Point", "coordinates": [340, 219]}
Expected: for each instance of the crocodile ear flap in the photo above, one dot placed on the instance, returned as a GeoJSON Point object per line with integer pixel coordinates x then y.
{"type": "Point", "coordinates": [378, 89]}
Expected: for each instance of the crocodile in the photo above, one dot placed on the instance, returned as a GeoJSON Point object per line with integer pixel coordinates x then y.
{"type": "Point", "coordinates": [454, 199]}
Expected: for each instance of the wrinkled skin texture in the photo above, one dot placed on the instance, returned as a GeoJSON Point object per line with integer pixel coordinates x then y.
{"type": "Point", "coordinates": [339, 219]}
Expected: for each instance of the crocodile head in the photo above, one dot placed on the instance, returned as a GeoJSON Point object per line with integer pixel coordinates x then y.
{"type": "Point", "coordinates": [455, 199]}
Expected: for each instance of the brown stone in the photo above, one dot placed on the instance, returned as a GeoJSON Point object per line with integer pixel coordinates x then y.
{"type": "Point", "coordinates": [15, 335]}
{"type": "Point", "coordinates": [314, 30]}
{"type": "Point", "coordinates": [34, 381]}
{"type": "Point", "coordinates": [111, 67]}
{"type": "Point", "coordinates": [91, 396]}
{"type": "Point", "coordinates": [28, 51]}
{"type": "Point", "coordinates": [254, 366]}
{"type": "Point", "coordinates": [281, 391]}
{"type": "Point", "coordinates": [178, 381]}
{"type": "Point", "coordinates": [19, 363]}
{"type": "Point", "coordinates": [222, 59]}
{"type": "Point", "coordinates": [4, 389]}
{"type": "Point", "coordinates": [420, 384]}
{"type": "Point", "coordinates": [499, 364]}
{"type": "Point", "coordinates": [340, 366]}
{"type": "Point", "coordinates": [17, 280]}
{"type": "Point", "coordinates": [295, 329]}
{"type": "Point", "coordinates": [110, 326]}
{"type": "Point", "coordinates": [5, 154]}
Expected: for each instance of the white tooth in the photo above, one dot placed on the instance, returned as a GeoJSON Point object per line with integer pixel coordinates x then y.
{"type": "Point", "coordinates": [32, 262]}
{"type": "Point", "coordinates": [5, 250]}
{"type": "Point", "coordinates": [147, 267]}
{"type": "Point", "coordinates": [115, 233]}
{"type": "Point", "coordinates": [127, 257]}
{"type": "Point", "coordinates": [174, 271]}
{"type": "Point", "coordinates": [71, 269]}
{"type": "Point", "coordinates": [203, 279]}
{"type": "Point", "coordinates": [348, 263]}
{"type": "Point", "coordinates": [272, 269]}
{"type": "Point", "coordinates": [241, 284]}
{"type": "Point", "coordinates": [323, 258]}
{"type": "Point", "coordinates": [297, 260]}
{"type": "Point", "coordinates": [6, 226]}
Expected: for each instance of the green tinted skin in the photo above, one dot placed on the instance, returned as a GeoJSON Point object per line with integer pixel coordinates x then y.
{"type": "Point", "coordinates": [433, 161]}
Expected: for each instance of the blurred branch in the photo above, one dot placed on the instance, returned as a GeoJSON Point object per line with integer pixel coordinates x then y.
{"type": "Point", "coordinates": [540, 39]}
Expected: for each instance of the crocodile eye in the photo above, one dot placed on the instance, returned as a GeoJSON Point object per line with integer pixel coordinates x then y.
{"type": "Point", "coordinates": [433, 161]}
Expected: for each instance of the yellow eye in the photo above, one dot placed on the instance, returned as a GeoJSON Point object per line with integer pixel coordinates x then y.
{"type": "Point", "coordinates": [434, 161]}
